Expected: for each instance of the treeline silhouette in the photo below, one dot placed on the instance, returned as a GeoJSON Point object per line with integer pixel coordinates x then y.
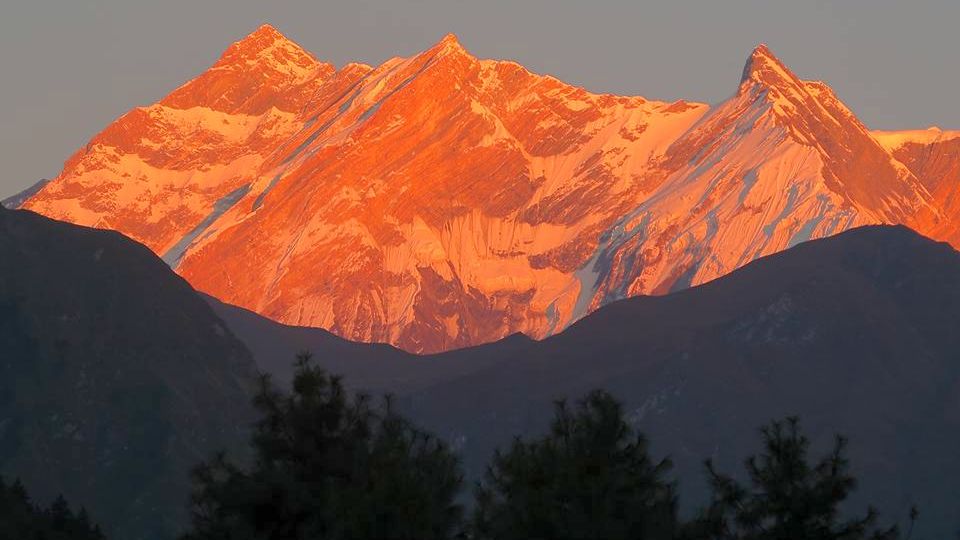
{"type": "Point", "coordinates": [331, 465]}
{"type": "Point", "coordinates": [21, 518]}
{"type": "Point", "coordinates": [328, 464]}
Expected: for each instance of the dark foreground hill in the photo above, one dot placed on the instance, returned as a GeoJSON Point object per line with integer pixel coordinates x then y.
{"type": "Point", "coordinates": [115, 377]}
{"type": "Point", "coordinates": [369, 367]}
{"type": "Point", "coordinates": [856, 334]}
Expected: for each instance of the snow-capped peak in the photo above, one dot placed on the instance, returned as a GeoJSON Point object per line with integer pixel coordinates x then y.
{"type": "Point", "coordinates": [266, 47]}
{"type": "Point", "coordinates": [447, 46]}
{"type": "Point", "coordinates": [766, 76]}
{"type": "Point", "coordinates": [264, 37]}
{"type": "Point", "coordinates": [265, 30]}
{"type": "Point", "coordinates": [765, 69]}
{"type": "Point", "coordinates": [263, 70]}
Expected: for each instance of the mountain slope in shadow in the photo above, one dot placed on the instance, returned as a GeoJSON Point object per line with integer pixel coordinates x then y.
{"type": "Point", "coordinates": [855, 333]}
{"type": "Point", "coordinates": [367, 367]}
{"type": "Point", "coordinates": [115, 377]}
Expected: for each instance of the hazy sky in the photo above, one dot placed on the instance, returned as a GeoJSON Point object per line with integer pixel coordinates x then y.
{"type": "Point", "coordinates": [70, 67]}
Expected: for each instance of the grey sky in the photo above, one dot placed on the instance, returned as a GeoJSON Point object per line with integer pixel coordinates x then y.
{"type": "Point", "coordinates": [70, 67]}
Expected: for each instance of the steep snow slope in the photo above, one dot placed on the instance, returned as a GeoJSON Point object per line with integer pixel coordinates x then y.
{"type": "Point", "coordinates": [157, 172]}
{"type": "Point", "coordinates": [780, 162]}
{"type": "Point", "coordinates": [437, 201]}
{"type": "Point", "coordinates": [441, 201]}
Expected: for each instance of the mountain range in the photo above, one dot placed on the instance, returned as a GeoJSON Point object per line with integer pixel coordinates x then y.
{"type": "Point", "coordinates": [441, 201]}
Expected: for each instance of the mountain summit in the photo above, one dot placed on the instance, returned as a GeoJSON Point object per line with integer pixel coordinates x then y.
{"type": "Point", "coordinates": [265, 36]}
{"type": "Point", "coordinates": [261, 71]}
{"type": "Point", "coordinates": [448, 44]}
{"type": "Point", "coordinates": [440, 200]}
{"type": "Point", "coordinates": [765, 68]}
{"type": "Point", "coordinates": [269, 50]}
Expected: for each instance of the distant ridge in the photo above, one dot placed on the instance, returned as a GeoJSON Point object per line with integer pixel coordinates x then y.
{"type": "Point", "coordinates": [16, 201]}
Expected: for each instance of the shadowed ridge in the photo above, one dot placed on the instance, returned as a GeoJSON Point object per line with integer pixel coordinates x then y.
{"type": "Point", "coordinates": [854, 333]}
{"type": "Point", "coordinates": [116, 377]}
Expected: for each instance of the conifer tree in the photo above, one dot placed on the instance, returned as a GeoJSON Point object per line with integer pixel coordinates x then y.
{"type": "Point", "coordinates": [59, 513]}
{"type": "Point", "coordinates": [591, 477]}
{"type": "Point", "coordinates": [329, 465]}
{"type": "Point", "coordinates": [21, 518]}
{"type": "Point", "coordinates": [787, 496]}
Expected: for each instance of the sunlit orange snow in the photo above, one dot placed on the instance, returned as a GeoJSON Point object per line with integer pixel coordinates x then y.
{"type": "Point", "coordinates": [441, 201]}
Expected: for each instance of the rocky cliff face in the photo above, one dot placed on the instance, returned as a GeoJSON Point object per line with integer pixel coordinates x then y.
{"type": "Point", "coordinates": [440, 201]}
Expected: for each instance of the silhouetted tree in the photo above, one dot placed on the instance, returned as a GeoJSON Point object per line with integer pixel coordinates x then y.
{"type": "Point", "coordinates": [590, 477]}
{"type": "Point", "coordinates": [21, 518]}
{"type": "Point", "coordinates": [787, 496]}
{"type": "Point", "coordinates": [328, 465]}
{"type": "Point", "coordinates": [59, 513]}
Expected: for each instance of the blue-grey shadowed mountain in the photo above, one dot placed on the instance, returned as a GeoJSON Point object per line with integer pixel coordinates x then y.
{"type": "Point", "coordinates": [855, 334]}
{"type": "Point", "coordinates": [115, 377]}
{"type": "Point", "coordinates": [14, 201]}
{"type": "Point", "coordinates": [367, 367]}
